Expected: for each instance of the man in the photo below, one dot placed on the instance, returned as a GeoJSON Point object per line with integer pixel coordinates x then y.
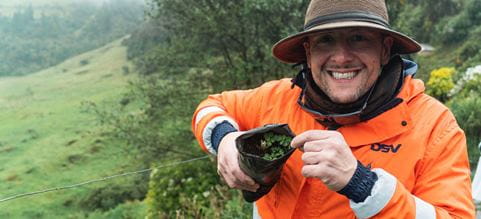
{"type": "Point", "coordinates": [372, 144]}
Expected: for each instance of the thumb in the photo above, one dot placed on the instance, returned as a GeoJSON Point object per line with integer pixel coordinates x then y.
{"type": "Point", "coordinates": [307, 136]}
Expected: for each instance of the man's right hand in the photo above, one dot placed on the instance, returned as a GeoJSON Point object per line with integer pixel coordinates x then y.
{"type": "Point", "coordinates": [228, 165]}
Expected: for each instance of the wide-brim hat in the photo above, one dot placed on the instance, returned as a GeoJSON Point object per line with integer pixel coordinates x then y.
{"type": "Point", "coordinates": [325, 15]}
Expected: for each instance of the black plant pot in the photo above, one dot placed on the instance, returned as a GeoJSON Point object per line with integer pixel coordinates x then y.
{"type": "Point", "coordinates": [265, 172]}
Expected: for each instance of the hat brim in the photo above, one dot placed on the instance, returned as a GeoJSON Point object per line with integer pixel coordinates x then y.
{"type": "Point", "coordinates": [291, 50]}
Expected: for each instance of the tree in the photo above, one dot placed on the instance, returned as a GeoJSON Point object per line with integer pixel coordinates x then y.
{"type": "Point", "coordinates": [239, 32]}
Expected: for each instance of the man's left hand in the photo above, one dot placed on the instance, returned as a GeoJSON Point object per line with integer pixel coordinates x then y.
{"type": "Point", "coordinates": [327, 157]}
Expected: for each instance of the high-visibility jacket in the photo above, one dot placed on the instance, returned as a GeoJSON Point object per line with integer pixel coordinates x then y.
{"type": "Point", "coordinates": [416, 148]}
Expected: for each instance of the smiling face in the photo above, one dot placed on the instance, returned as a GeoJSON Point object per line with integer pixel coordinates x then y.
{"type": "Point", "coordinates": [346, 63]}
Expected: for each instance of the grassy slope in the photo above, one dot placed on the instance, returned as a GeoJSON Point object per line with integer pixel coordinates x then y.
{"type": "Point", "coordinates": [46, 140]}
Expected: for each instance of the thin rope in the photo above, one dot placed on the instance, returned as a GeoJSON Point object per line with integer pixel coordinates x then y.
{"type": "Point", "coordinates": [17, 196]}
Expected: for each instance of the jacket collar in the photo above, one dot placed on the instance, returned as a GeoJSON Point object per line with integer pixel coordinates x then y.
{"type": "Point", "coordinates": [392, 122]}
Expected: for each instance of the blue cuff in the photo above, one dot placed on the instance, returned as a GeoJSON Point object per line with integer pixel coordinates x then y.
{"type": "Point", "coordinates": [219, 132]}
{"type": "Point", "coordinates": [360, 185]}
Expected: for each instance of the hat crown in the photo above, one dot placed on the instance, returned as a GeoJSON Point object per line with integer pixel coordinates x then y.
{"type": "Point", "coordinates": [320, 8]}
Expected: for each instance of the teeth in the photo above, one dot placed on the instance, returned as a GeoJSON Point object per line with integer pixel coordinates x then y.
{"type": "Point", "coordinates": [345, 75]}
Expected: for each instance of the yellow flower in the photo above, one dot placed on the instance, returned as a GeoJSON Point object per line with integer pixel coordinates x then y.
{"type": "Point", "coordinates": [440, 82]}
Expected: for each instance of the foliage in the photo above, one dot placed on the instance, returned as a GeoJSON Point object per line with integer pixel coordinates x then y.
{"type": "Point", "coordinates": [192, 190]}
{"type": "Point", "coordinates": [451, 26]}
{"type": "Point", "coordinates": [155, 124]}
{"type": "Point", "coordinates": [171, 188]}
{"type": "Point", "coordinates": [275, 145]}
{"type": "Point", "coordinates": [468, 83]}
{"type": "Point", "coordinates": [466, 106]}
{"type": "Point", "coordinates": [457, 28]}
{"type": "Point", "coordinates": [410, 16]}
{"type": "Point", "coordinates": [467, 111]}
{"type": "Point", "coordinates": [409, 20]}
{"type": "Point", "coordinates": [127, 210]}
{"type": "Point", "coordinates": [469, 53]}
{"type": "Point", "coordinates": [440, 83]}
{"type": "Point", "coordinates": [32, 40]}
{"type": "Point", "coordinates": [109, 197]}
{"type": "Point", "coordinates": [236, 35]}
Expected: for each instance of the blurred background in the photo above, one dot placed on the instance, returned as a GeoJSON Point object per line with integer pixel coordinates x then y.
{"type": "Point", "coordinates": [90, 89]}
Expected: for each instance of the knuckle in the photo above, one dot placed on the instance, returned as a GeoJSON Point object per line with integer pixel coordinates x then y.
{"type": "Point", "coordinates": [304, 172]}
{"type": "Point", "coordinates": [232, 185]}
{"type": "Point", "coordinates": [328, 180]}
{"type": "Point", "coordinates": [310, 146]}
{"type": "Point", "coordinates": [330, 155]}
{"type": "Point", "coordinates": [305, 156]}
{"type": "Point", "coordinates": [237, 173]}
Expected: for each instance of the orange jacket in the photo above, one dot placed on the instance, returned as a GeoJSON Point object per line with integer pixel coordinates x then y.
{"type": "Point", "coordinates": [417, 149]}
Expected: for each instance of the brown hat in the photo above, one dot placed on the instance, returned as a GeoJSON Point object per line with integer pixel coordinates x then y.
{"type": "Point", "coordinates": [332, 14]}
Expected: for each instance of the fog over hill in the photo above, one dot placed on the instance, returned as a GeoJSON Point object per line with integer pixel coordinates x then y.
{"type": "Point", "coordinates": [36, 34]}
{"type": "Point", "coordinates": [8, 7]}
{"type": "Point", "coordinates": [12, 3]}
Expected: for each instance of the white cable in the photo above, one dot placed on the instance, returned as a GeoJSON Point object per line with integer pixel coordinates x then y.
{"type": "Point", "coordinates": [96, 180]}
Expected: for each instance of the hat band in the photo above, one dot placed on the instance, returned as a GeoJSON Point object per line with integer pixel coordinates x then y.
{"type": "Point", "coordinates": [346, 16]}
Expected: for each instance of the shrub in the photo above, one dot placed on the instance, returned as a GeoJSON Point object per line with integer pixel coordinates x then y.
{"type": "Point", "coordinates": [110, 196]}
{"type": "Point", "coordinates": [469, 83]}
{"type": "Point", "coordinates": [193, 190]}
{"type": "Point", "coordinates": [440, 83]}
{"type": "Point", "coordinates": [467, 111]}
{"type": "Point", "coordinates": [466, 106]}
{"type": "Point", "coordinates": [185, 187]}
{"type": "Point", "coordinates": [84, 62]}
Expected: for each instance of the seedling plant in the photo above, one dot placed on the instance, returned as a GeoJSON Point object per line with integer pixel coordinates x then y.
{"type": "Point", "coordinates": [275, 145]}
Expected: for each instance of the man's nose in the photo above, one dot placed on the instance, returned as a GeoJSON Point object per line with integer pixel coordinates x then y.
{"type": "Point", "coordinates": [342, 53]}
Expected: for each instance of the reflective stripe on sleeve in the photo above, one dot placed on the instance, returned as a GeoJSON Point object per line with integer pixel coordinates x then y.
{"type": "Point", "coordinates": [203, 112]}
{"type": "Point", "coordinates": [255, 212]}
{"type": "Point", "coordinates": [424, 210]}
{"type": "Point", "coordinates": [381, 194]}
{"type": "Point", "coordinates": [207, 133]}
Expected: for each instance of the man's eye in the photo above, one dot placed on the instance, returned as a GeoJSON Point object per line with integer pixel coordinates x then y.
{"type": "Point", "coordinates": [358, 37]}
{"type": "Point", "coordinates": [325, 39]}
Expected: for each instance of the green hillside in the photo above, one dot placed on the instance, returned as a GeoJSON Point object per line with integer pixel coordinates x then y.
{"type": "Point", "coordinates": [48, 140]}
{"type": "Point", "coordinates": [39, 34]}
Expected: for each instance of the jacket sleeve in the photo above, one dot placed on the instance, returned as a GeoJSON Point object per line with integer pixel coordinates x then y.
{"type": "Point", "coordinates": [442, 188]}
{"type": "Point", "coordinates": [241, 108]}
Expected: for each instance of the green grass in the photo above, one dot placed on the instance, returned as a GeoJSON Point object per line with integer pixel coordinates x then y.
{"type": "Point", "coordinates": [48, 140]}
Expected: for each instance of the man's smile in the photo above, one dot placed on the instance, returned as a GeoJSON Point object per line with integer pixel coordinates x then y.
{"type": "Point", "coordinates": [343, 75]}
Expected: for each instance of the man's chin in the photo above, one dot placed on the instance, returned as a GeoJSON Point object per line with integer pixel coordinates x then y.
{"type": "Point", "coordinates": [343, 99]}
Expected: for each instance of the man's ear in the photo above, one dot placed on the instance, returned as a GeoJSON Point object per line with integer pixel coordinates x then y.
{"type": "Point", "coordinates": [386, 49]}
{"type": "Point", "coordinates": [308, 52]}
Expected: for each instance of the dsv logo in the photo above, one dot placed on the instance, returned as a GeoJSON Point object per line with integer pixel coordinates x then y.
{"type": "Point", "coordinates": [386, 148]}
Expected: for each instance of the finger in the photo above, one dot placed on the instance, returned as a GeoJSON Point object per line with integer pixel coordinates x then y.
{"type": "Point", "coordinates": [311, 135]}
{"type": "Point", "coordinates": [326, 156]}
{"type": "Point", "coordinates": [241, 181]}
{"type": "Point", "coordinates": [320, 171]}
{"type": "Point", "coordinates": [333, 142]}
{"type": "Point", "coordinates": [326, 175]}
{"type": "Point", "coordinates": [312, 170]}
{"type": "Point", "coordinates": [242, 178]}
{"type": "Point", "coordinates": [316, 146]}
{"type": "Point", "coordinates": [311, 158]}
{"type": "Point", "coordinates": [236, 178]}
